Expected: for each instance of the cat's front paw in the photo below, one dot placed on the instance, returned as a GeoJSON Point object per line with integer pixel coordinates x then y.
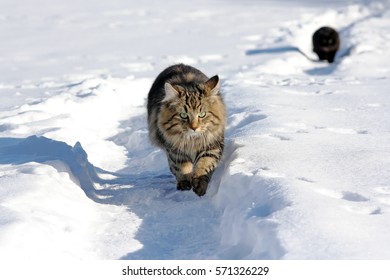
{"type": "Point", "coordinates": [184, 185]}
{"type": "Point", "coordinates": [200, 184]}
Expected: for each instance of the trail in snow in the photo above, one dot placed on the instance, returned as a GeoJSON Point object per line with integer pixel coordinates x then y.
{"type": "Point", "coordinates": [184, 222]}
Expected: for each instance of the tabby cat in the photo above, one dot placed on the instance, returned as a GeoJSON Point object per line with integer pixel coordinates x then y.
{"type": "Point", "coordinates": [186, 118]}
{"type": "Point", "coordinates": [326, 43]}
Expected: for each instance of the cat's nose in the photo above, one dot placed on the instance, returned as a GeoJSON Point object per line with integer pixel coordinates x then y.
{"type": "Point", "coordinates": [194, 125]}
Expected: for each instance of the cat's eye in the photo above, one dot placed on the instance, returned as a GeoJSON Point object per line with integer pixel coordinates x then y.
{"type": "Point", "coordinates": [202, 114]}
{"type": "Point", "coordinates": [183, 115]}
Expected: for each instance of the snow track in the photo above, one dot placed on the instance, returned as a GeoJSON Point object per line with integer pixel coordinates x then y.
{"type": "Point", "coordinates": [183, 221]}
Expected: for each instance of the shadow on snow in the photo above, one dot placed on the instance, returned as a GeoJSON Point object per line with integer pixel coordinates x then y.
{"type": "Point", "coordinates": [175, 225]}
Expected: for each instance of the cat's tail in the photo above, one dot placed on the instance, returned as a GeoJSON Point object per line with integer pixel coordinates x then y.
{"type": "Point", "coordinates": [279, 50]}
{"type": "Point", "coordinates": [342, 53]}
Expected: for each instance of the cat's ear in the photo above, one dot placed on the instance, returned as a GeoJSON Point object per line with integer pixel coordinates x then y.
{"type": "Point", "coordinates": [213, 85]}
{"type": "Point", "coordinates": [170, 92]}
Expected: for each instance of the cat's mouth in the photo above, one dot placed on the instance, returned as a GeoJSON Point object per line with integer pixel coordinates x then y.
{"type": "Point", "coordinates": [194, 133]}
{"type": "Point", "coordinates": [327, 48]}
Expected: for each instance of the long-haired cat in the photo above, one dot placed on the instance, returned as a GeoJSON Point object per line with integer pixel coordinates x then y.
{"type": "Point", "coordinates": [186, 118]}
{"type": "Point", "coordinates": [326, 43]}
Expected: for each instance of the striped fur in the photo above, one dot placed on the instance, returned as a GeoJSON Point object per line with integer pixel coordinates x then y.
{"type": "Point", "coordinates": [186, 118]}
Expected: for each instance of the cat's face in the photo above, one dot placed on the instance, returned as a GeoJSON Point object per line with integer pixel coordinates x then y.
{"type": "Point", "coordinates": [327, 41]}
{"type": "Point", "coordinates": [326, 38]}
{"type": "Point", "coordinates": [191, 112]}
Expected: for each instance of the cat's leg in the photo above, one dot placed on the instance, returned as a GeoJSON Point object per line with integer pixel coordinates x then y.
{"type": "Point", "coordinates": [331, 56]}
{"type": "Point", "coordinates": [206, 163]}
{"type": "Point", "coordinates": [182, 169]}
{"type": "Point", "coordinates": [184, 176]}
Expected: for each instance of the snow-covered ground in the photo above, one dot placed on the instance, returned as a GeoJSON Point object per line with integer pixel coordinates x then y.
{"type": "Point", "coordinates": [306, 170]}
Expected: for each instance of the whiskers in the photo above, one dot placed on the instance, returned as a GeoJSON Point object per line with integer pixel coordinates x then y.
{"type": "Point", "coordinates": [192, 134]}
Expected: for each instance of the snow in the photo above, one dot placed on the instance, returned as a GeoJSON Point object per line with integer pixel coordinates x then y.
{"type": "Point", "coordinates": [306, 170]}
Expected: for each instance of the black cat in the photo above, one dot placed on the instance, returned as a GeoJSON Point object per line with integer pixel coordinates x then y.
{"type": "Point", "coordinates": [326, 43]}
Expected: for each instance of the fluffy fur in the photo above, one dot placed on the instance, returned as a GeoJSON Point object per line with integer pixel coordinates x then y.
{"type": "Point", "coordinates": [186, 118]}
{"type": "Point", "coordinates": [326, 43]}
